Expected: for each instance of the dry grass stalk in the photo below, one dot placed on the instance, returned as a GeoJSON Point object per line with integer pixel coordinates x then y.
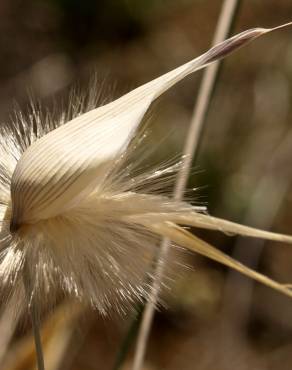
{"type": "Point", "coordinates": [191, 145]}
{"type": "Point", "coordinates": [78, 218]}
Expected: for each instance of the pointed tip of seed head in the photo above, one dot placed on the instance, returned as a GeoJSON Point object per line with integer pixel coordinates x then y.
{"type": "Point", "coordinates": [262, 31]}
{"type": "Point", "coordinates": [288, 24]}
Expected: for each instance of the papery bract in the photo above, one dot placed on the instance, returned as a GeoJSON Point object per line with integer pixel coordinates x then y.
{"type": "Point", "coordinates": [76, 219]}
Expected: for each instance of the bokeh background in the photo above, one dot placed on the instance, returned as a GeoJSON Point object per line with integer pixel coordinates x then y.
{"type": "Point", "coordinates": [214, 318]}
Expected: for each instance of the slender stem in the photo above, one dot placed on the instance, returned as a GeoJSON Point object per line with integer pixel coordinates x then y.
{"type": "Point", "coordinates": [209, 77]}
{"type": "Point", "coordinates": [148, 313]}
{"type": "Point", "coordinates": [37, 337]}
{"type": "Point", "coordinates": [205, 91]}
{"type": "Point", "coordinates": [35, 322]}
{"type": "Point", "coordinates": [128, 339]}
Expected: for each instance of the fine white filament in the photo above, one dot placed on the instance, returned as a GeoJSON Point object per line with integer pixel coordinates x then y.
{"type": "Point", "coordinates": [79, 218]}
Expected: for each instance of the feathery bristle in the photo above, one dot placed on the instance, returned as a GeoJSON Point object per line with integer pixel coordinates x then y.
{"type": "Point", "coordinates": [90, 251]}
{"type": "Point", "coordinates": [80, 216]}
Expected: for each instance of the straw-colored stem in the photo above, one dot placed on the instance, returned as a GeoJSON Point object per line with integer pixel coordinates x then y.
{"type": "Point", "coordinates": [147, 316]}
{"type": "Point", "coordinates": [190, 148]}
{"type": "Point", "coordinates": [37, 338]}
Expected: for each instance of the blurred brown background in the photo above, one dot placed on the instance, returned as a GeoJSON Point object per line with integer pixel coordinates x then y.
{"type": "Point", "coordinates": [215, 318]}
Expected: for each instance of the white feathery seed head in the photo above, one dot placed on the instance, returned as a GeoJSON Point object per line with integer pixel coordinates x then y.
{"type": "Point", "coordinates": [75, 215]}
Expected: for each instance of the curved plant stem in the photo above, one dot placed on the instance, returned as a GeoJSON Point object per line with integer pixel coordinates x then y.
{"type": "Point", "coordinates": [37, 338]}
{"type": "Point", "coordinates": [209, 77]}
{"type": "Point", "coordinates": [128, 340]}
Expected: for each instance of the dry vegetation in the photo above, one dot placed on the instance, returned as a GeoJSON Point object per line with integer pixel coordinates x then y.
{"type": "Point", "coordinates": [214, 318]}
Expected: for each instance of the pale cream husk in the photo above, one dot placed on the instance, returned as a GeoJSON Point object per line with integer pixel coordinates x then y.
{"type": "Point", "coordinates": [79, 218]}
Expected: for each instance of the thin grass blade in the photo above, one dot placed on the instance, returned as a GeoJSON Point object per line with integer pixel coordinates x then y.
{"type": "Point", "coordinates": [189, 241]}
